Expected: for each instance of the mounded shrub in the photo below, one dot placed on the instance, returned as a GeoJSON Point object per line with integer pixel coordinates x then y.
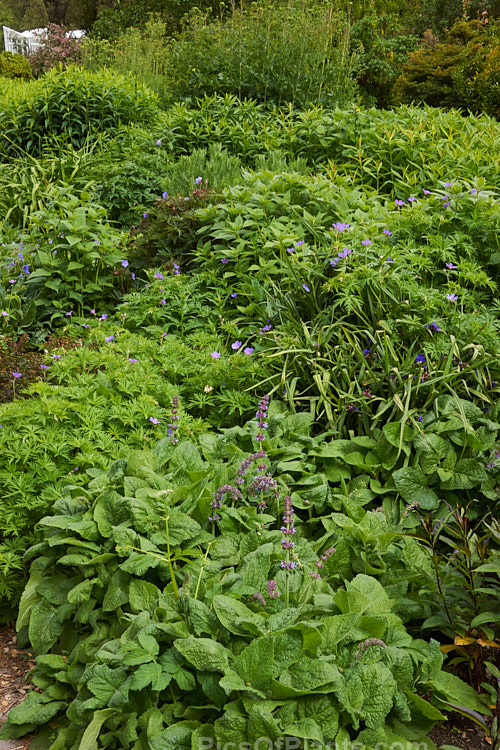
{"type": "Point", "coordinates": [14, 66]}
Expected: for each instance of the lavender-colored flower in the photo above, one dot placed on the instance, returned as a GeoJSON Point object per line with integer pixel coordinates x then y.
{"type": "Point", "coordinates": [248, 350]}
{"type": "Point", "coordinates": [219, 496]}
{"type": "Point", "coordinates": [305, 288]}
{"type": "Point", "coordinates": [109, 338]}
{"type": "Point", "coordinates": [69, 313]}
{"type": "Point", "coordinates": [272, 589]}
{"type": "Point", "coordinates": [334, 262]}
{"type": "Point", "coordinates": [164, 195]}
{"type": "Point", "coordinates": [215, 355]}
{"type": "Point", "coordinates": [85, 325]}
{"type": "Point", "coordinates": [158, 142]}
{"type": "Point", "coordinates": [411, 199]}
{"type": "Point", "coordinates": [92, 312]}
{"type": "Point", "coordinates": [367, 352]}
{"type": "Point", "coordinates": [17, 374]}
{"type": "Point", "coordinates": [448, 184]}
{"type": "Point", "coordinates": [288, 564]}
{"type": "Point", "coordinates": [387, 232]}
{"type": "Point", "coordinates": [451, 266]}
{"type": "Point", "coordinates": [154, 420]}
{"type": "Point", "coordinates": [451, 297]}
{"type": "Point", "coordinates": [163, 302]}
{"type": "Point", "coordinates": [132, 360]}
{"type": "Point", "coordinates": [103, 317]}
{"type": "Point", "coordinates": [132, 276]}
{"type": "Point", "coordinates": [26, 268]}
{"type": "Point", "coordinates": [4, 314]}
{"type": "Point", "coordinates": [145, 215]}
{"type": "Point", "coordinates": [420, 359]}
{"type": "Point", "coordinates": [236, 344]}
{"type": "Point", "coordinates": [174, 420]}
{"type": "Point", "coordinates": [340, 226]}
{"type": "Point", "coordinates": [366, 242]}
{"type": "Point", "coordinates": [125, 263]}
{"type": "Point", "coordinates": [265, 329]}
{"type": "Point", "coordinates": [247, 462]}
{"type": "Point", "coordinates": [290, 249]}
{"type": "Point", "coordinates": [420, 418]}
{"type": "Point", "coordinates": [345, 252]}
{"type": "Point", "coordinates": [389, 260]}
{"type": "Point", "coordinates": [399, 202]}
{"type": "Point", "coordinates": [198, 180]}
{"type": "Point", "coordinates": [299, 243]}
{"type": "Point", "coordinates": [261, 415]}
{"type": "Point", "coordinates": [473, 191]}
{"type": "Point", "coordinates": [57, 356]}
{"type": "Point", "coordinates": [176, 269]}
{"type": "Point", "coordinates": [328, 553]}
{"type": "Point", "coordinates": [233, 295]}
{"type": "Point", "coordinates": [445, 205]}
{"type": "Point", "coordinates": [426, 192]}
{"type": "Point", "coordinates": [224, 260]}
{"type": "Point", "coordinates": [44, 367]}
{"type": "Point", "coordinates": [158, 275]}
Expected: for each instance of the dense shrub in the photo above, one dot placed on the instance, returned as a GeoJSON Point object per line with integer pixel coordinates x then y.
{"type": "Point", "coordinates": [14, 66]}
{"type": "Point", "coordinates": [461, 71]}
{"type": "Point", "coordinates": [69, 108]}
{"type": "Point", "coordinates": [59, 49]}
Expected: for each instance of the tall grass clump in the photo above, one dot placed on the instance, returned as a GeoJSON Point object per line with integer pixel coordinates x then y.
{"type": "Point", "coordinates": [289, 53]}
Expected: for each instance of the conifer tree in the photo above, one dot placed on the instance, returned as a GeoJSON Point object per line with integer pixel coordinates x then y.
{"type": "Point", "coordinates": [35, 15]}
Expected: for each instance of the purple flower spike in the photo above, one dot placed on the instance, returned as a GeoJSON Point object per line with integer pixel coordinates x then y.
{"type": "Point", "coordinates": [272, 589]}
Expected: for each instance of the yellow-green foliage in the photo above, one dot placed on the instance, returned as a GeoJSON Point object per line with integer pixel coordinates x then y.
{"type": "Point", "coordinates": [14, 66]}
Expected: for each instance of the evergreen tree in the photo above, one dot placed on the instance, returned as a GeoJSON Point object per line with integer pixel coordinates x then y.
{"type": "Point", "coordinates": [35, 15]}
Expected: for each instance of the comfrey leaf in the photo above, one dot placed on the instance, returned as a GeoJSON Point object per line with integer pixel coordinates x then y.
{"type": "Point", "coordinates": [203, 653]}
{"type": "Point", "coordinates": [255, 663]}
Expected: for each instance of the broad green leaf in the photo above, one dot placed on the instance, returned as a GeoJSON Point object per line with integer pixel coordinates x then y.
{"type": "Point", "coordinates": [255, 663]}
{"type": "Point", "coordinates": [142, 595]}
{"type": "Point", "coordinates": [35, 710]}
{"type": "Point", "coordinates": [203, 653]}
{"type": "Point", "coordinates": [45, 626]}
{"type": "Point", "coordinates": [413, 486]}
{"type": "Point", "coordinates": [91, 734]}
{"type": "Point", "coordinates": [106, 682]}
{"type": "Point", "coordinates": [236, 617]}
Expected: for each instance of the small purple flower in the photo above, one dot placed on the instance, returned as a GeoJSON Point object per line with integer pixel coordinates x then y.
{"type": "Point", "coordinates": [451, 266]}
{"type": "Point", "coordinates": [389, 260]}
{"type": "Point", "coordinates": [103, 317]}
{"type": "Point", "coordinates": [340, 226]}
{"type": "Point", "coordinates": [426, 192]}
{"type": "Point", "coordinates": [366, 242]}
{"type": "Point", "coordinates": [299, 243]}
{"type": "Point", "coordinates": [164, 195]}
{"type": "Point", "coordinates": [85, 325]}
{"type": "Point", "coordinates": [248, 350]}
{"type": "Point", "coordinates": [434, 327]}
{"type": "Point", "coordinates": [125, 263]}
{"type": "Point", "coordinates": [4, 314]}
{"type": "Point", "coordinates": [236, 344]}
{"type": "Point", "coordinates": [399, 202]}
{"type": "Point", "coordinates": [176, 269]}
{"type": "Point", "coordinates": [69, 313]}
{"type": "Point", "coordinates": [367, 352]}
{"type": "Point", "coordinates": [17, 374]}
{"type": "Point", "coordinates": [473, 191]}
{"type": "Point", "coordinates": [420, 359]}
{"type": "Point", "coordinates": [44, 367]}
{"type": "Point", "coordinates": [445, 205]}
{"type": "Point", "coordinates": [198, 180]}
{"type": "Point", "coordinates": [153, 420]}
{"type": "Point", "coordinates": [334, 262]}
{"type": "Point", "coordinates": [163, 302]}
{"type": "Point", "coordinates": [451, 297]}
{"type": "Point", "coordinates": [345, 252]}
{"type": "Point", "coordinates": [448, 184]}
{"type": "Point", "coordinates": [233, 295]}
{"type": "Point", "coordinates": [215, 355]}
{"type": "Point", "coordinates": [420, 418]}
{"type": "Point", "coordinates": [224, 260]}
{"type": "Point", "coordinates": [290, 249]}
{"type": "Point", "coordinates": [132, 276]}
{"type": "Point", "coordinates": [145, 215]}
{"type": "Point", "coordinates": [57, 356]}
{"type": "Point", "coordinates": [411, 199]}
{"type": "Point", "coordinates": [158, 142]}
{"type": "Point", "coordinates": [132, 360]}
{"type": "Point", "coordinates": [265, 329]}
{"type": "Point", "coordinates": [12, 281]}
{"type": "Point", "coordinates": [158, 275]}
{"type": "Point", "coordinates": [305, 288]}
{"type": "Point", "coordinates": [26, 268]}
{"type": "Point", "coordinates": [92, 312]}
{"type": "Point", "coordinates": [109, 338]}
{"type": "Point", "coordinates": [387, 232]}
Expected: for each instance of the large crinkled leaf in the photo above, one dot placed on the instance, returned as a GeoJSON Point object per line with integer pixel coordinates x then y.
{"type": "Point", "coordinates": [305, 728]}
{"type": "Point", "coordinates": [176, 737]}
{"type": "Point", "coordinates": [45, 626]}
{"type": "Point", "coordinates": [324, 710]}
{"type": "Point", "coordinates": [467, 473]}
{"type": "Point", "coordinates": [109, 511]}
{"type": "Point", "coordinates": [335, 629]}
{"type": "Point", "coordinates": [204, 653]}
{"type": "Point", "coordinates": [202, 618]}
{"type": "Point", "coordinates": [36, 710]}
{"type": "Point", "coordinates": [105, 683]}
{"type": "Point", "coordinates": [310, 674]}
{"type": "Point", "coordinates": [236, 617]}
{"type": "Point", "coordinates": [413, 486]}
{"type": "Point", "coordinates": [364, 594]}
{"type": "Point", "coordinates": [117, 591]}
{"type": "Point", "coordinates": [255, 663]}
{"type": "Point", "coordinates": [432, 451]}
{"type": "Point", "coordinates": [378, 689]}
{"type": "Point", "coordinates": [142, 595]}
{"type": "Point", "coordinates": [255, 567]}
{"type": "Point", "coordinates": [287, 650]}
{"type": "Point", "coordinates": [231, 728]}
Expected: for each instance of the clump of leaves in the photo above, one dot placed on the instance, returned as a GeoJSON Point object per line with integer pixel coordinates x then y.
{"type": "Point", "coordinates": [170, 605]}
